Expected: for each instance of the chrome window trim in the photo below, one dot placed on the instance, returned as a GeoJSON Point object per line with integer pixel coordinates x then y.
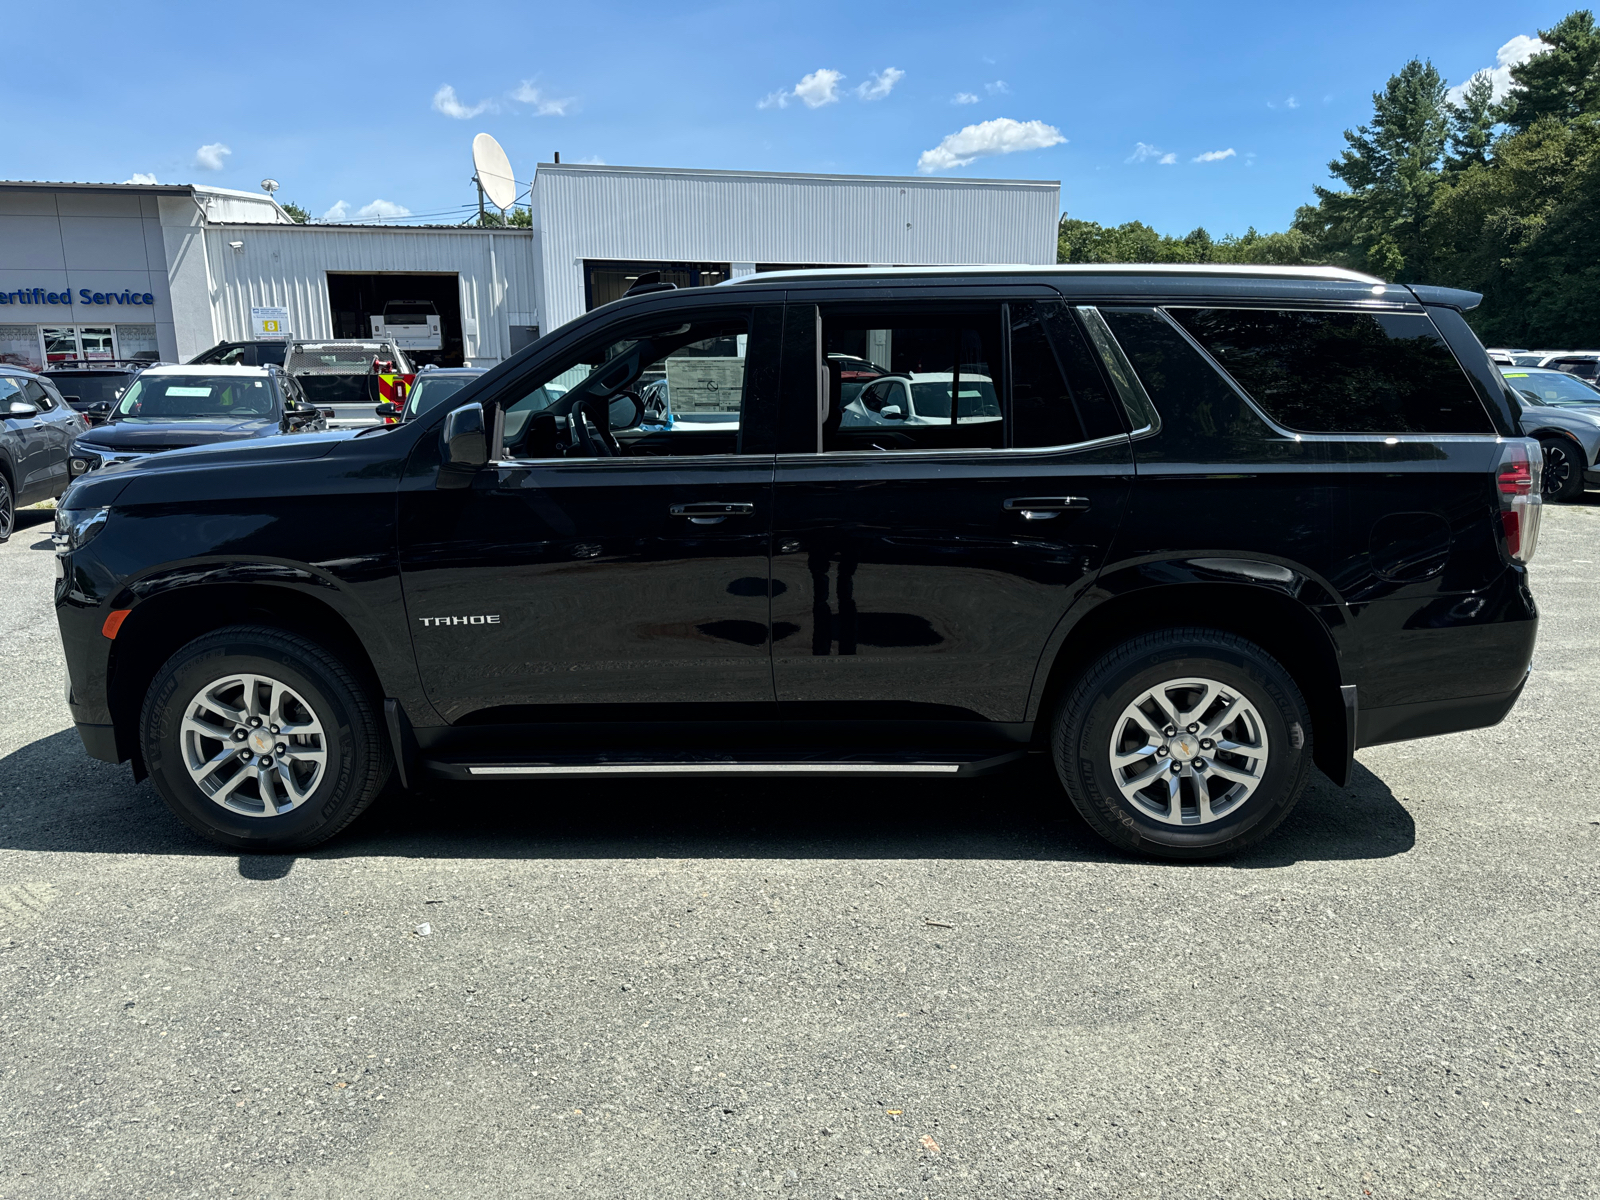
{"type": "Point", "coordinates": [1135, 400]}
{"type": "Point", "coordinates": [975, 451]}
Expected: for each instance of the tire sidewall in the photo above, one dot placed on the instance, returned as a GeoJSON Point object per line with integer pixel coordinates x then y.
{"type": "Point", "coordinates": [184, 676]}
{"type": "Point", "coordinates": [1086, 748]}
{"type": "Point", "coordinates": [8, 508]}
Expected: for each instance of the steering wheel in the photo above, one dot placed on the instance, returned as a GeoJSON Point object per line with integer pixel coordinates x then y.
{"type": "Point", "coordinates": [601, 443]}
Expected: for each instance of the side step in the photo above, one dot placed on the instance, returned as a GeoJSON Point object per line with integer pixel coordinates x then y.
{"type": "Point", "coordinates": [949, 766]}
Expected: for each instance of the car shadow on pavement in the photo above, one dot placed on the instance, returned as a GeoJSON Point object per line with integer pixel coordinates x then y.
{"type": "Point", "coordinates": [54, 798]}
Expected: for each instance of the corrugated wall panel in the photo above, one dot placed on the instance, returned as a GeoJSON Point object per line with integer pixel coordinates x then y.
{"type": "Point", "coordinates": [621, 213]}
{"type": "Point", "coordinates": [288, 265]}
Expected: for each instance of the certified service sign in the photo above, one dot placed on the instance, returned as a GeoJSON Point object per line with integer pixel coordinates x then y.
{"type": "Point", "coordinates": [269, 323]}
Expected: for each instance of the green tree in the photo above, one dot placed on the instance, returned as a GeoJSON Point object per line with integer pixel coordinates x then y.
{"type": "Point", "coordinates": [1391, 169]}
{"type": "Point", "coordinates": [515, 218]}
{"type": "Point", "coordinates": [296, 214]}
{"type": "Point", "coordinates": [1472, 124]}
{"type": "Point", "coordinates": [1564, 81]}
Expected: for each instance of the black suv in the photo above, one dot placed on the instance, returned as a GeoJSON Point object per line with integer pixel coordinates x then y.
{"type": "Point", "coordinates": [1187, 531]}
{"type": "Point", "coordinates": [92, 386]}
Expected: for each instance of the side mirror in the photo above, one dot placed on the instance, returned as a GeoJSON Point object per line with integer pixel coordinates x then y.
{"type": "Point", "coordinates": [387, 409]}
{"type": "Point", "coordinates": [465, 446]}
{"type": "Point", "coordinates": [21, 410]}
{"type": "Point", "coordinates": [626, 411]}
{"type": "Point", "coordinates": [891, 412]}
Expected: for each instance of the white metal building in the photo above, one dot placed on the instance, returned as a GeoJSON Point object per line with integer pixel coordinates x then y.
{"type": "Point", "coordinates": [129, 270]}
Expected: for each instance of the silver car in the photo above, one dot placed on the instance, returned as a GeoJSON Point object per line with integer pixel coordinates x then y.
{"type": "Point", "coordinates": [1563, 412]}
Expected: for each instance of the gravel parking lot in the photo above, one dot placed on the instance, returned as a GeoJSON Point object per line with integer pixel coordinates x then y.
{"type": "Point", "coordinates": [884, 988]}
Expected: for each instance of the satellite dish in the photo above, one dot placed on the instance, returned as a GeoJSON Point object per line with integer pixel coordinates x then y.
{"type": "Point", "coordinates": [494, 171]}
{"type": "Point", "coordinates": [269, 186]}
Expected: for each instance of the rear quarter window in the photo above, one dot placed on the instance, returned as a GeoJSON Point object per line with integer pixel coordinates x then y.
{"type": "Point", "coordinates": [1341, 372]}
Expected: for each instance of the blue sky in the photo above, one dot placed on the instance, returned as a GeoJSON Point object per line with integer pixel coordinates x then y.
{"type": "Point", "coordinates": [343, 103]}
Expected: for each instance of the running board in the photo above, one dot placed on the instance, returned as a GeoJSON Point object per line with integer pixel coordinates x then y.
{"type": "Point", "coordinates": [616, 765]}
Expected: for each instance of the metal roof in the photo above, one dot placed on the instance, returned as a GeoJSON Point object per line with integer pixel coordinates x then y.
{"type": "Point", "coordinates": [798, 176]}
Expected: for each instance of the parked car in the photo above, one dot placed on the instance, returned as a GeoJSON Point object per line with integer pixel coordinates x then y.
{"type": "Point", "coordinates": [346, 379]}
{"type": "Point", "coordinates": [1231, 523]}
{"type": "Point", "coordinates": [431, 388]}
{"type": "Point", "coordinates": [265, 353]}
{"type": "Point", "coordinates": [1584, 364]}
{"type": "Point", "coordinates": [1563, 412]}
{"type": "Point", "coordinates": [93, 386]}
{"type": "Point", "coordinates": [922, 398]}
{"type": "Point", "coordinates": [37, 426]}
{"type": "Point", "coordinates": [173, 408]}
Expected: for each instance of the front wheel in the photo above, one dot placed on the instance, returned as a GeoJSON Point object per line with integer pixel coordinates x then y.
{"type": "Point", "coordinates": [1562, 479]}
{"type": "Point", "coordinates": [8, 508]}
{"type": "Point", "coordinates": [262, 740]}
{"type": "Point", "coordinates": [1184, 743]}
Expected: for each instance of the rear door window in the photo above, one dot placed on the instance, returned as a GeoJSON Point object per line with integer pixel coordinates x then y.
{"type": "Point", "coordinates": [1058, 395]}
{"type": "Point", "coordinates": [938, 371]}
{"type": "Point", "coordinates": [1341, 372]}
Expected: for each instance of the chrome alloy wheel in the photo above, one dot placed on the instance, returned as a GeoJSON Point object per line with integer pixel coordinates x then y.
{"type": "Point", "coordinates": [1189, 751]}
{"type": "Point", "coordinates": [252, 745]}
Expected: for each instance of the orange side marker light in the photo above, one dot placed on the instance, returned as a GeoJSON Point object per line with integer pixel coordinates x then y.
{"type": "Point", "coordinates": [114, 622]}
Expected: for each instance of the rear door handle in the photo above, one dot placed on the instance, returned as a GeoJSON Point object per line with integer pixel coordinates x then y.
{"type": "Point", "coordinates": [711, 512]}
{"type": "Point", "coordinates": [1043, 508]}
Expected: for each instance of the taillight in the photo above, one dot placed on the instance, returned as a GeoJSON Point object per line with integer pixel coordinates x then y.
{"type": "Point", "coordinates": [1517, 478]}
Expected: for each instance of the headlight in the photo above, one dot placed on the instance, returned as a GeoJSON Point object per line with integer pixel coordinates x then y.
{"type": "Point", "coordinates": [75, 526]}
{"type": "Point", "coordinates": [85, 458]}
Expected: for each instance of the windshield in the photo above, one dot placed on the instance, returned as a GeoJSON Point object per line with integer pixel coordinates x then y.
{"type": "Point", "coordinates": [197, 397]}
{"type": "Point", "coordinates": [90, 387]}
{"type": "Point", "coordinates": [1553, 388]}
{"type": "Point", "coordinates": [432, 391]}
{"type": "Point", "coordinates": [1527, 360]}
{"type": "Point", "coordinates": [977, 402]}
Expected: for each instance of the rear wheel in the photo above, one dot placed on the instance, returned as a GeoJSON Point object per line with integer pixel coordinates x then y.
{"type": "Point", "coordinates": [1562, 478]}
{"type": "Point", "coordinates": [1184, 743]}
{"type": "Point", "coordinates": [8, 508]}
{"type": "Point", "coordinates": [262, 740]}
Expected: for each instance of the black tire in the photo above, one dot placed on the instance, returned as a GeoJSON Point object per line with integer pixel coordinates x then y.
{"type": "Point", "coordinates": [1090, 713]}
{"type": "Point", "coordinates": [1563, 469]}
{"type": "Point", "coordinates": [8, 508]}
{"type": "Point", "coordinates": [358, 761]}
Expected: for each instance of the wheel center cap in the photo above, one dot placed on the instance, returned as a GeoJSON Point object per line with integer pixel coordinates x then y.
{"type": "Point", "coordinates": [261, 740]}
{"type": "Point", "coordinates": [1184, 747]}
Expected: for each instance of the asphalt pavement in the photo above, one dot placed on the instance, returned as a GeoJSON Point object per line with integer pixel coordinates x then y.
{"type": "Point", "coordinates": [686, 989]}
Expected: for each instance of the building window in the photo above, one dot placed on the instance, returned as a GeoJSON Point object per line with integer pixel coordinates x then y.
{"type": "Point", "coordinates": [138, 342]}
{"type": "Point", "coordinates": [605, 281]}
{"type": "Point", "coordinates": [19, 346]}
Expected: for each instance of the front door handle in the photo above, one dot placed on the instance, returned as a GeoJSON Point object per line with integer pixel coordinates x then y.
{"type": "Point", "coordinates": [1043, 508]}
{"type": "Point", "coordinates": [711, 512]}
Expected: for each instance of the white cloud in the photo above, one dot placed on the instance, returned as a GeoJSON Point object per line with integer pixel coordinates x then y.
{"type": "Point", "coordinates": [819, 88]}
{"type": "Point", "coordinates": [880, 85]}
{"type": "Point", "coordinates": [339, 212]}
{"type": "Point", "coordinates": [963, 98]}
{"type": "Point", "coordinates": [1144, 152]}
{"type": "Point", "coordinates": [446, 101]}
{"type": "Point", "coordinates": [998, 88]}
{"type": "Point", "coordinates": [999, 136]}
{"type": "Point", "coordinates": [1513, 54]}
{"type": "Point", "coordinates": [209, 157]}
{"type": "Point", "coordinates": [141, 177]}
{"type": "Point", "coordinates": [593, 160]}
{"type": "Point", "coordinates": [543, 105]}
{"type": "Point", "coordinates": [382, 208]}
{"type": "Point", "coordinates": [1215, 155]}
{"type": "Point", "coordinates": [1291, 102]}
{"type": "Point", "coordinates": [814, 90]}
